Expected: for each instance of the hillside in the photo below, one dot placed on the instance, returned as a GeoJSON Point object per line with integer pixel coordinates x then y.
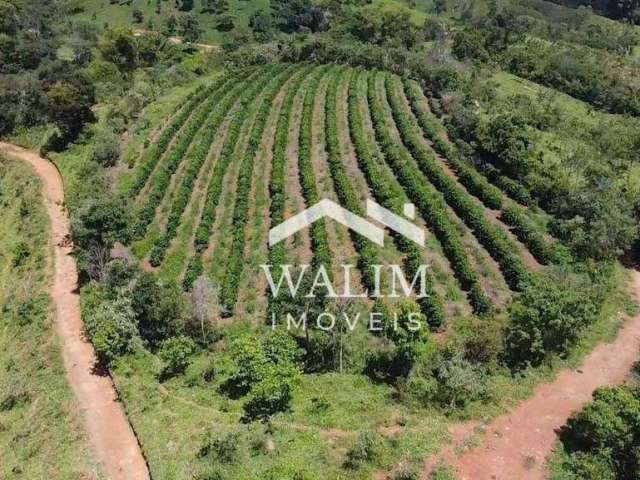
{"type": "Point", "coordinates": [343, 240]}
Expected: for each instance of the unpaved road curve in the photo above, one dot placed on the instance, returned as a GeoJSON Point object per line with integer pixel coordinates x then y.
{"type": "Point", "coordinates": [115, 444]}
{"type": "Point", "coordinates": [516, 445]}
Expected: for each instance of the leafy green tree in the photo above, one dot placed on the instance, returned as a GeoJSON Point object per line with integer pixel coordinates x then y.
{"type": "Point", "coordinates": [385, 27]}
{"type": "Point", "coordinates": [102, 222]}
{"type": "Point", "coordinates": [176, 355]}
{"type": "Point", "coordinates": [118, 46]}
{"type": "Point", "coordinates": [506, 136]}
{"type": "Point", "coordinates": [250, 360]}
{"type": "Point", "coordinates": [262, 25]}
{"type": "Point", "coordinates": [273, 393]}
{"type": "Point", "coordinates": [112, 329]}
{"type": "Point", "coordinates": [439, 6]}
{"type": "Point", "coordinates": [69, 106]}
{"type": "Point", "coordinates": [8, 18]}
{"type": "Point", "coordinates": [548, 318]}
{"type": "Point", "coordinates": [295, 15]}
{"type": "Point", "coordinates": [189, 27]}
{"type": "Point", "coordinates": [604, 438]}
{"type": "Point", "coordinates": [158, 307]}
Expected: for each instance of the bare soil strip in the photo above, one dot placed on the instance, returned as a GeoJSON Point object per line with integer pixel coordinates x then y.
{"type": "Point", "coordinates": [298, 247]}
{"type": "Point", "coordinates": [516, 445]}
{"type": "Point", "coordinates": [115, 444]}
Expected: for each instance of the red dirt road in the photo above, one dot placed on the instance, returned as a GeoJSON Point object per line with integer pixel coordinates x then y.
{"type": "Point", "coordinates": [115, 444]}
{"type": "Point", "coordinates": [516, 445]}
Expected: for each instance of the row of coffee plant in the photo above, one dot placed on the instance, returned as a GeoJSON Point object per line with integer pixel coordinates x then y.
{"type": "Point", "coordinates": [427, 199]}
{"type": "Point", "coordinates": [389, 194]}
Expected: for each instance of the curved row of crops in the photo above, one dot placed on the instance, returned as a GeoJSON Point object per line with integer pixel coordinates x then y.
{"type": "Point", "coordinates": [544, 249]}
{"type": "Point", "coordinates": [152, 155]}
{"type": "Point", "coordinates": [345, 189]}
{"type": "Point", "coordinates": [243, 187]}
{"type": "Point", "coordinates": [196, 158]}
{"type": "Point", "coordinates": [491, 237]}
{"type": "Point", "coordinates": [277, 188]}
{"type": "Point", "coordinates": [246, 106]}
{"type": "Point", "coordinates": [390, 131]}
{"type": "Point", "coordinates": [319, 238]}
{"type": "Point", "coordinates": [427, 199]}
{"type": "Point", "coordinates": [388, 194]}
{"type": "Point", "coordinates": [161, 178]}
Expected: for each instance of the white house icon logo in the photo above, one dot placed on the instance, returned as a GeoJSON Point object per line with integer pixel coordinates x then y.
{"type": "Point", "coordinates": [327, 208]}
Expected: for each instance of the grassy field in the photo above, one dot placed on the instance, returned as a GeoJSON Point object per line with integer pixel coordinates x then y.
{"type": "Point", "coordinates": [40, 431]}
{"type": "Point", "coordinates": [580, 124]}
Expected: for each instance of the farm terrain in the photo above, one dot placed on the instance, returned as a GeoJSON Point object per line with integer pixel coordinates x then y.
{"type": "Point", "coordinates": [178, 134]}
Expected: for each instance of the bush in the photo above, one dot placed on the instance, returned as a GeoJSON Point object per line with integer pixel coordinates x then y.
{"type": "Point", "coordinates": [221, 447]}
{"type": "Point", "coordinates": [24, 311]}
{"type": "Point", "coordinates": [459, 382]}
{"type": "Point", "coordinates": [548, 318]}
{"type": "Point", "coordinates": [364, 450]}
{"type": "Point", "coordinates": [175, 354]}
{"type": "Point", "coordinates": [106, 151]}
{"type": "Point", "coordinates": [273, 393]}
{"type": "Point", "coordinates": [603, 439]}
{"type": "Point", "coordinates": [112, 328]}
{"type": "Point", "coordinates": [159, 308]}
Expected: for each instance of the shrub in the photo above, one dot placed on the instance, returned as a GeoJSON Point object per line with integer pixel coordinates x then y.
{"type": "Point", "coordinates": [273, 393]}
{"type": "Point", "coordinates": [106, 151]}
{"type": "Point", "coordinates": [459, 382]}
{"type": "Point", "coordinates": [604, 438]}
{"type": "Point", "coordinates": [221, 447]}
{"type": "Point", "coordinates": [364, 450]}
{"type": "Point", "coordinates": [175, 354]}
{"type": "Point", "coordinates": [159, 308]}
{"type": "Point", "coordinates": [23, 311]}
{"type": "Point", "coordinates": [548, 318]}
{"type": "Point", "coordinates": [112, 328]}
